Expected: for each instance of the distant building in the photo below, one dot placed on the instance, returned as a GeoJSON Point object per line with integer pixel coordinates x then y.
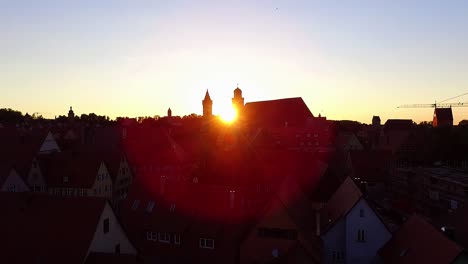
{"type": "Point", "coordinates": [207, 105]}
{"type": "Point", "coordinates": [169, 112]}
{"type": "Point", "coordinates": [442, 117]}
{"type": "Point", "coordinates": [376, 121]}
{"type": "Point", "coordinates": [71, 115]}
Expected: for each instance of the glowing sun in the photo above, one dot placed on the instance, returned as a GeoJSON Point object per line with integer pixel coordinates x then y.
{"type": "Point", "coordinates": [228, 114]}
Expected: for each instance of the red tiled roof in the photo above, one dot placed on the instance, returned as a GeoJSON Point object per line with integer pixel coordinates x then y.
{"type": "Point", "coordinates": [45, 229]}
{"type": "Point", "coordinates": [418, 242]}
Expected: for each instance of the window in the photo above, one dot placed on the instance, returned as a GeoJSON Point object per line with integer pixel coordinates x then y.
{"type": "Point", "coordinates": [149, 207]}
{"type": "Point", "coordinates": [106, 226]}
{"type": "Point", "coordinates": [151, 236]}
{"type": "Point", "coordinates": [135, 205]}
{"type": "Point", "coordinates": [453, 204]}
{"type": "Point", "coordinates": [361, 237]}
{"type": "Point", "coordinates": [65, 179]}
{"type": "Point", "coordinates": [81, 192]}
{"type": "Point", "coordinates": [12, 188]}
{"type": "Point", "coordinates": [207, 243]}
{"type": "Point", "coordinates": [337, 256]}
{"type": "Point", "coordinates": [172, 208]}
{"type": "Point", "coordinates": [176, 239]}
{"type": "Point", "coordinates": [164, 237]}
{"type": "Point", "coordinates": [361, 212]}
{"type": "Point", "coordinates": [117, 248]}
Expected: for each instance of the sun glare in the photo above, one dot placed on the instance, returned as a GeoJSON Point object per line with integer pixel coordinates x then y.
{"type": "Point", "coordinates": [228, 115]}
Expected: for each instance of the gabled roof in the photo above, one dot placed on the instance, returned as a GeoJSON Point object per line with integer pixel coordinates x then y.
{"type": "Point", "coordinates": [46, 229]}
{"type": "Point", "coordinates": [276, 113]}
{"type": "Point", "coordinates": [418, 242]}
{"type": "Point", "coordinates": [341, 202]}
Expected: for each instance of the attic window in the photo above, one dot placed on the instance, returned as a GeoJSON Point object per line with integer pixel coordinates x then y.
{"type": "Point", "coordinates": [361, 212]}
{"type": "Point", "coordinates": [135, 205]}
{"type": "Point", "coordinates": [206, 243]}
{"type": "Point", "coordinates": [106, 226]}
{"type": "Point", "coordinates": [172, 207]}
{"type": "Point", "coordinates": [149, 207]}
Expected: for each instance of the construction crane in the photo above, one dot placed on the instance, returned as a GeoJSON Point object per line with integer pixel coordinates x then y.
{"type": "Point", "coordinates": [437, 105]}
{"type": "Point", "coordinates": [442, 112]}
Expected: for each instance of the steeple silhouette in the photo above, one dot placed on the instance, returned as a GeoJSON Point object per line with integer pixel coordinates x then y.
{"type": "Point", "coordinates": [207, 105]}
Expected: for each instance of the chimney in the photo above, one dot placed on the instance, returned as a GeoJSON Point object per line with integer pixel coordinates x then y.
{"type": "Point", "coordinates": [162, 185]}
{"type": "Point", "coordinates": [317, 221]}
{"type": "Point", "coordinates": [232, 198]}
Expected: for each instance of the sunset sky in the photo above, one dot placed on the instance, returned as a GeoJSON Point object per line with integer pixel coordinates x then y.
{"type": "Point", "coordinates": [346, 59]}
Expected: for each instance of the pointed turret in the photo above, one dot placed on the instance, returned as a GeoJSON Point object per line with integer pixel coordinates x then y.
{"type": "Point", "coordinates": [207, 105]}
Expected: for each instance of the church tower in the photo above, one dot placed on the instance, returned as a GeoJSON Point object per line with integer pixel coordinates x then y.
{"type": "Point", "coordinates": [169, 112]}
{"type": "Point", "coordinates": [207, 105]}
{"type": "Point", "coordinates": [71, 115]}
{"type": "Point", "coordinates": [238, 100]}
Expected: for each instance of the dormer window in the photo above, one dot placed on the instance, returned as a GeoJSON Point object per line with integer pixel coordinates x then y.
{"type": "Point", "coordinates": [149, 207]}
{"type": "Point", "coordinates": [172, 207]}
{"type": "Point", "coordinates": [135, 205]}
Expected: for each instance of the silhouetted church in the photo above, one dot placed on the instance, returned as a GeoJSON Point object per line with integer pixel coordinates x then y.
{"type": "Point", "coordinates": [272, 113]}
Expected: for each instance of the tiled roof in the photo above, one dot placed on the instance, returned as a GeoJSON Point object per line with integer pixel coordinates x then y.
{"type": "Point", "coordinates": [341, 202]}
{"type": "Point", "coordinates": [81, 168]}
{"type": "Point", "coordinates": [45, 229]}
{"type": "Point", "coordinates": [275, 113]}
{"type": "Point", "coordinates": [418, 242]}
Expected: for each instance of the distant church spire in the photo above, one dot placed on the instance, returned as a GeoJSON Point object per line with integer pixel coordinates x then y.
{"type": "Point", "coordinates": [169, 112]}
{"type": "Point", "coordinates": [207, 105]}
{"type": "Point", "coordinates": [71, 115]}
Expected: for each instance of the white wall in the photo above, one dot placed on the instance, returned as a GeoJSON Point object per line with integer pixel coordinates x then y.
{"type": "Point", "coordinates": [105, 243]}
{"type": "Point", "coordinates": [49, 145]}
{"type": "Point", "coordinates": [334, 240]}
{"type": "Point", "coordinates": [376, 234]}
